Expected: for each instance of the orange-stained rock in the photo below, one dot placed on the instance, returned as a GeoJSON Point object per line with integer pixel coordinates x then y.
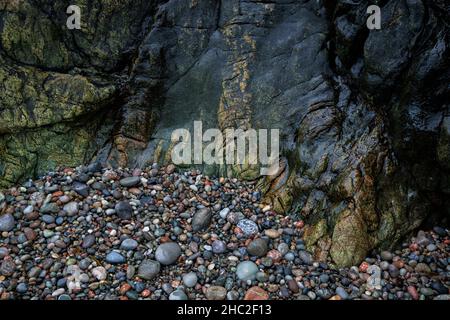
{"type": "Point", "coordinates": [336, 297]}
{"type": "Point", "coordinates": [399, 264]}
{"type": "Point", "coordinates": [58, 194]}
{"type": "Point", "coordinates": [146, 293]}
{"type": "Point", "coordinates": [124, 288]}
{"type": "Point", "coordinates": [256, 293]}
{"type": "Point", "coordinates": [272, 233]}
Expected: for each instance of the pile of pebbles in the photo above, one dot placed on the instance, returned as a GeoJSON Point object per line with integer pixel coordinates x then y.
{"type": "Point", "coordinates": [98, 233]}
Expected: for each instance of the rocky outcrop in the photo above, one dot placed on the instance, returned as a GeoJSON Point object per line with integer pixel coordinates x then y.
{"type": "Point", "coordinates": [60, 90]}
{"type": "Point", "coordinates": [363, 114]}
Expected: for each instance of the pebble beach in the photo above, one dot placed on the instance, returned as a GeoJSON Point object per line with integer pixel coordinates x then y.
{"type": "Point", "coordinates": [93, 233]}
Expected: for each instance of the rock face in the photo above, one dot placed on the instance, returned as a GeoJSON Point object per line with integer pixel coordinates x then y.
{"type": "Point", "coordinates": [363, 114]}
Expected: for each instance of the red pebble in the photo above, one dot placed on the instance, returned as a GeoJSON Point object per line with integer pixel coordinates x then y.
{"type": "Point", "coordinates": [124, 288]}
{"type": "Point", "coordinates": [58, 194]}
{"type": "Point", "coordinates": [146, 293]}
{"type": "Point", "coordinates": [413, 292]}
{"type": "Point", "coordinates": [299, 224]}
{"type": "Point", "coordinates": [363, 267]}
{"type": "Point", "coordinates": [256, 293]}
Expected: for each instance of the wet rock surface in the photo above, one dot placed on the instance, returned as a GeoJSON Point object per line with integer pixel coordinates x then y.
{"type": "Point", "coordinates": [156, 255]}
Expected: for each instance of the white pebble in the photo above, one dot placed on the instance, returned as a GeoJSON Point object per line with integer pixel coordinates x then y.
{"type": "Point", "coordinates": [58, 292]}
{"type": "Point", "coordinates": [224, 213]}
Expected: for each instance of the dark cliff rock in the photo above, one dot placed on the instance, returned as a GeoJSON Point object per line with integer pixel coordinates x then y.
{"type": "Point", "coordinates": [363, 114]}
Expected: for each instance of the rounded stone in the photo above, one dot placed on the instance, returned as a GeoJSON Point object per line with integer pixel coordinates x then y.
{"type": "Point", "coordinates": [386, 255]}
{"type": "Point", "coordinates": [248, 227]}
{"type": "Point", "coordinates": [305, 257]}
{"type": "Point", "coordinates": [289, 256]}
{"type": "Point", "coordinates": [293, 286]}
{"type": "Point", "coordinates": [170, 168]}
{"type": "Point", "coordinates": [393, 271]}
{"type": "Point", "coordinates": [342, 293]}
{"type": "Point", "coordinates": [88, 241]}
{"type": "Point", "coordinates": [422, 268]}
{"type": "Point", "coordinates": [3, 252]}
{"type": "Point", "coordinates": [190, 279]}
{"type": "Point", "coordinates": [99, 273]}
{"type": "Point", "coordinates": [255, 294]}
{"type": "Point", "coordinates": [115, 258]}
{"type": "Point", "coordinates": [219, 247]}
{"type": "Point", "coordinates": [216, 293]}
{"type": "Point", "coordinates": [178, 295]}
{"type": "Point", "coordinates": [71, 208]}
{"type": "Point", "coordinates": [49, 208]}
{"type": "Point", "coordinates": [324, 278]}
{"type": "Point", "coordinates": [129, 244]}
{"type": "Point", "coordinates": [7, 267]}
{"type": "Point", "coordinates": [271, 233]}
{"type": "Point", "coordinates": [28, 210]}
{"type": "Point", "coordinates": [235, 216]}
{"type": "Point", "coordinates": [148, 269]}
{"type": "Point", "coordinates": [439, 287]}
{"type": "Point", "coordinates": [257, 247]}
{"type": "Point", "coordinates": [7, 222]}
{"type": "Point", "coordinates": [48, 219]}
{"type": "Point", "coordinates": [201, 219]}
{"type": "Point", "coordinates": [283, 248]}
{"type": "Point", "coordinates": [224, 213]}
{"type": "Point", "coordinates": [130, 182]}
{"type": "Point", "coordinates": [247, 270]}
{"type": "Point", "coordinates": [261, 277]}
{"type": "Point", "coordinates": [168, 253]}
{"type": "Point", "coordinates": [384, 265]}
{"type": "Point", "coordinates": [426, 291]}
{"type": "Point", "coordinates": [22, 288]}
{"type": "Point", "coordinates": [81, 189]}
{"type": "Point", "coordinates": [124, 210]}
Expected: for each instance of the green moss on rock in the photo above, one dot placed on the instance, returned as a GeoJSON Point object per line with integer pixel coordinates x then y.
{"type": "Point", "coordinates": [349, 241]}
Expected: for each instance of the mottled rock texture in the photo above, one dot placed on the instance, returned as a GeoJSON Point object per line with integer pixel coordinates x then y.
{"type": "Point", "coordinates": [364, 115]}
